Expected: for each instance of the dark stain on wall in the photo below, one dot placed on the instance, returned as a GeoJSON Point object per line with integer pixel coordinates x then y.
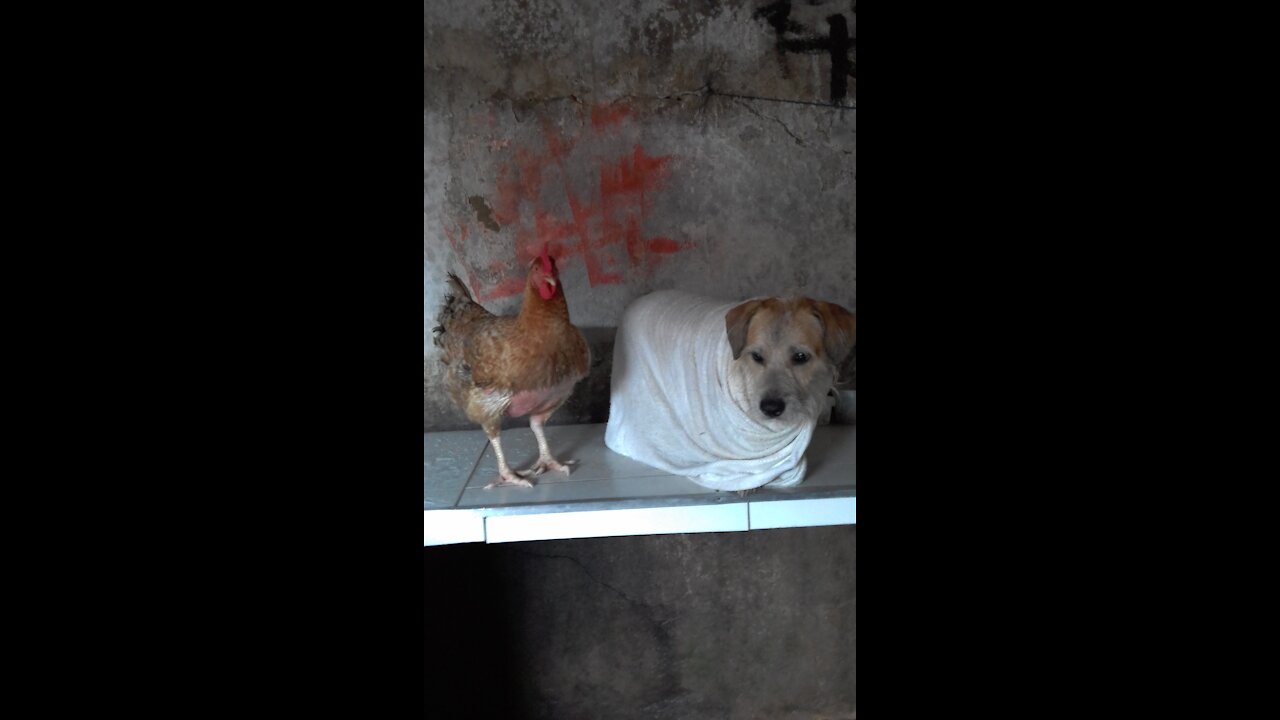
{"type": "Point", "coordinates": [484, 213]}
{"type": "Point", "coordinates": [792, 37]}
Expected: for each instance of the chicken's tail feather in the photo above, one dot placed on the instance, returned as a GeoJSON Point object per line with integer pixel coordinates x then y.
{"type": "Point", "coordinates": [459, 288]}
{"type": "Point", "coordinates": [458, 306]}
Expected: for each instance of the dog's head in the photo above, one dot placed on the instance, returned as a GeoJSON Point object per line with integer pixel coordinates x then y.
{"type": "Point", "coordinates": [785, 354]}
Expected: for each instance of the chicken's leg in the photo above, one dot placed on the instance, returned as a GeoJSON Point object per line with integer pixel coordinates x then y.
{"type": "Point", "coordinates": [505, 474]}
{"type": "Point", "coordinates": [545, 461]}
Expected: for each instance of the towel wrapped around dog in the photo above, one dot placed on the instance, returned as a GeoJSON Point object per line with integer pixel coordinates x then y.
{"type": "Point", "coordinates": [673, 405]}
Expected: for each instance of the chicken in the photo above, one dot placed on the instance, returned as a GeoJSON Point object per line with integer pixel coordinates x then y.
{"type": "Point", "coordinates": [519, 365]}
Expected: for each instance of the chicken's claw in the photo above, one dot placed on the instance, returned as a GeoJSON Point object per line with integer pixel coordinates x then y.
{"type": "Point", "coordinates": [543, 465]}
{"type": "Point", "coordinates": [509, 478]}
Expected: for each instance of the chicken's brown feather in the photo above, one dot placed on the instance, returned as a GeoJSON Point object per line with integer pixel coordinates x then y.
{"type": "Point", "coordinates": [491, 358]}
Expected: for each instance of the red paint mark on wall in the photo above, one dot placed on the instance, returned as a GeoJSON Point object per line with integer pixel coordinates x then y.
{"type": "Point", "coordinates": [636, 174]}
{"type": "Point", "coordinates": [602, 116]}
{"type": "Point", "coordinates": [603, 226]}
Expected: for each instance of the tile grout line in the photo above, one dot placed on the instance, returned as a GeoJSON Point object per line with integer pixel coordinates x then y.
{"type": "Point", "coordinates": [467, 482]}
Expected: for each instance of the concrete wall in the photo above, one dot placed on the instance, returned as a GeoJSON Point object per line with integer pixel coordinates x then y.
{"type": "Point", "coordinates": [653, 144]}
{"type": "Point", "coordinates": [691, 144]}
{"type": "Point", "coordinates": [733, 626]}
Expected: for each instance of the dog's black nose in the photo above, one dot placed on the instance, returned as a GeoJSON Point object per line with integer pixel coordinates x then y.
{"type": "Point", "coordinates": [772, 407]}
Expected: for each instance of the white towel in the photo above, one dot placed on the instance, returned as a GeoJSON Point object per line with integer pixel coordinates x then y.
{"type": "Point", "coordinates": [671, 402]}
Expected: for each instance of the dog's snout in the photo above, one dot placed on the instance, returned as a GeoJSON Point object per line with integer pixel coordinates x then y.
{"type": "Point", "coordinates": [773, 407]}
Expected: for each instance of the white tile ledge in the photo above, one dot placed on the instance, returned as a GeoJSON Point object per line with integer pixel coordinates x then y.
{"type": "Point", "coordinates": [612, 496]}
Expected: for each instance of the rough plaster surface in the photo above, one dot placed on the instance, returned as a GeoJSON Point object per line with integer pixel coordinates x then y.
{"type": "Point", "coordinates": [653, 144]}
{"type": "Point", "coordinates": [690, 627]}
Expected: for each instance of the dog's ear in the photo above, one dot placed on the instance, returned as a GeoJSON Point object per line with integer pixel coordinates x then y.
{"type": "Point", "coordinates": [736, 322]}
{"type": "Point", "coordinates": [839, 330]}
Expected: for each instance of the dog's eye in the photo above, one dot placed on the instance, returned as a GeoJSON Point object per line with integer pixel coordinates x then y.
{"type": "Point", "coordinates": [800, 358]}
{"type": "Point", "coordinates": [756, 356]}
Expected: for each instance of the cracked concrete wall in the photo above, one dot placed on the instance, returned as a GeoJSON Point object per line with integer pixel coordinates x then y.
{"type": "Point", "coordinates": [652, 144]}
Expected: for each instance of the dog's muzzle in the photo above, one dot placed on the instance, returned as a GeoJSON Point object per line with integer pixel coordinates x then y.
{"type": "Point", "coordinates": [773, 407]}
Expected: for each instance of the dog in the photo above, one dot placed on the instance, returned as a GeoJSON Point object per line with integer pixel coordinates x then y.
{"type": "Point", "coordinates": [786, 352]}
{"type": "Point", "coordinates": [727, 394]}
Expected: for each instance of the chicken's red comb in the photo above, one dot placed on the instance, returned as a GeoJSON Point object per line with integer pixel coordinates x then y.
{"type": "Point", "coordinates": [546, 258]}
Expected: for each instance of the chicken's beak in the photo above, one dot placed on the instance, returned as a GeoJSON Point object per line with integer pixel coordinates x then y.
{"type": "Point", "coordinates": [548, 288]}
